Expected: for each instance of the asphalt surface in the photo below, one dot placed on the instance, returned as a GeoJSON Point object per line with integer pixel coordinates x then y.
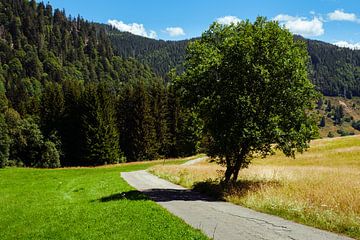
{"type": "Point", "coordinates": [217, 219]}
{"type": "Point", "coordinates": [195, 161]}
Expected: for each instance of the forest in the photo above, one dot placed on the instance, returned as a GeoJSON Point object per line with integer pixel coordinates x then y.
{"type": "Point", "coordinates": [67, 100]}
{"type": "Point", "coordinates": [77, 93]}
{"type": "Point", "coordinates": [335, 71]}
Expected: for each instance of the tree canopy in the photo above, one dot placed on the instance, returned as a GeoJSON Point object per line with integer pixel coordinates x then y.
{"type": "Point", "coordinates": [249, 84]}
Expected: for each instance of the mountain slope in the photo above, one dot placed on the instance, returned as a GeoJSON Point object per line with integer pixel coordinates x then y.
{"type": "Point", "coordinates": [334, 70]}
{"type": "Point", "coordinates": [160, 55]}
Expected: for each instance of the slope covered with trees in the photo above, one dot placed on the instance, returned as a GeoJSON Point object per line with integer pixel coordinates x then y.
{"type": "Point", "coordinates": [67, 99]}
{"type": "Point", "coordinates": [335, 71]}
{"type": "Point", "coordinates": [160, 55]}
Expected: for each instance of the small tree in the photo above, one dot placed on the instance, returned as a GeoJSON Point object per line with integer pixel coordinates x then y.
{"type": "Point", "coordinates": [249, 84]}
{"type": "Point", "coordinates": [322, 122]}
{"type": "Point", "coordinates": [50, 157]}
{"type": "Point", "coordinates": [4, 142]}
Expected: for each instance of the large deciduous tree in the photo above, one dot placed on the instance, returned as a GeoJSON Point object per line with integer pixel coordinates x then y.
{"type": "Point", "coordinates": [249, 84]}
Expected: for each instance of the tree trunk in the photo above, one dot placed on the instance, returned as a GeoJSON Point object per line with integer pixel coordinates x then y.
{"type": "Point", "coordinates": [239, 162]}
{"type": "Point", "coordinates": [236, 171]}
{"type": "Point", "coordinates": [229, 170]}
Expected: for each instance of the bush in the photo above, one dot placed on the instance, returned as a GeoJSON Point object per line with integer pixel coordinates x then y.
{"type": "Point", "coordinates": [344, 133]}
{"type": "Point", "coordinates": [348, 119]}
{"type": "Point", "coordinates": [50, 157]}
{"type": "Point", "coordinates": [27, 143]}
{"type": "Point", "coordinates": [356, 125]}
{"type": "Point", "coordinates": [331, 135]}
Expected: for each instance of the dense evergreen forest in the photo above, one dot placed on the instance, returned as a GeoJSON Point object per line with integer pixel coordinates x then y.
{"type": "Point", "coordinates": [160, 55]}
{"type": "Point", "coordinates": [76, 93]}
{"type": "Point", "coordinates": [335, 71]}
{"type": "Point", "coordinates": [66, 99]}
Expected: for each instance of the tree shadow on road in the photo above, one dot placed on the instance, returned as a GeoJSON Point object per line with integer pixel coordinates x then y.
{"type": "Point", "coordinates": [209, 191]}
{"type": "Point", "coordinates": [158, 195]}
{"type": "Point", "coordinates": [220, 191]}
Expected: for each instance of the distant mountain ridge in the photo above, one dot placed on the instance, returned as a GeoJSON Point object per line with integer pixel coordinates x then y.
{"type": "Point", "coordinates": [334, 70]}
{"type": "Point", "coordinates": [160, 55]}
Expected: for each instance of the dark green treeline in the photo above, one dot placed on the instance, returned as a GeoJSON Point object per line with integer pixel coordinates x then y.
{"type": "Point", "coordinates": [67, 100]}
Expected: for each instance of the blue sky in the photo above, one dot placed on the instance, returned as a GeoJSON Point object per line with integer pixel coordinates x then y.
{"type": "Point", "coordinates": [334, 21]}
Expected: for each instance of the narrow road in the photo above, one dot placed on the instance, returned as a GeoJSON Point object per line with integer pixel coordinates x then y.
{"type": "Point", "coordinates": [195, 161]}
{"type": "Point", "coordinates": [217, 219]}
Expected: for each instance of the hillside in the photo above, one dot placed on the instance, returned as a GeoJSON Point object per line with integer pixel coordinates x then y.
{"type": "Point", "coordinates": [74, 92]}
{"type": "Point", "coordinates": [161, 55]}
{"type": "Point", "coordinates": [338, 116]}
{"type": "Point", "coordinates": [67, 99]}
{"type": "Point", "coordinates": [334, 70]}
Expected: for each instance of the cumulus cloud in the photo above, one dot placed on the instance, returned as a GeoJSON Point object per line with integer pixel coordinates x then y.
{"type": "Point", "coordinates": [301, 25]}
{"type": "Point", "coordinates": [134, 28]}
{"type": "Point", "coordinates": [340, 15]}
{"type": "Point", "coordinates": [227, 20]}
{"type": "Point", "coordinates": [175, 31]}
{"type": "Point", "coordinates": [346, 44]}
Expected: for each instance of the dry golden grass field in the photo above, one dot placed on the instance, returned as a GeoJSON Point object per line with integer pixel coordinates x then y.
{"type": "Point", "coordinates": [320, 188]}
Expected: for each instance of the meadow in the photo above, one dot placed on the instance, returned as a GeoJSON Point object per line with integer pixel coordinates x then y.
{"type": "Point", "coordinates": [83, 203]}
{"type": "Point", "coordinates": [319, 188]}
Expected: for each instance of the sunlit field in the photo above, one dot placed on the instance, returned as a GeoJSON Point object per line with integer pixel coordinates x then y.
{"type": "Point", "coordinates": [319, 188]}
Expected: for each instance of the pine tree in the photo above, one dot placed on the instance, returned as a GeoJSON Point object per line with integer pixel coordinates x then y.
{"type": "Point", "coordinates": [160, 114]}
{"type": "Point", "coordinates": [322, 122]}
{"type": "Point", "coordinates": [138, 138]}
{"type": "Point", "coordinates": [4, 142]}
{"type": "Point", "coordinates": [71, 136]}
{"type": "Point", "coordinates": [101, 137]}
{"type": "Point", "coordinates": [52, 108]}
{"type": "Point", "coordinates": [328, 106]}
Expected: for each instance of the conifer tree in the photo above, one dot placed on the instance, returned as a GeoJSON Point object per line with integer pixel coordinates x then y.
{"type": "Point", "coordinates": [101, 137]}
{"type": "Point", "coordinates": [138, 137]}
{"type": "Point", "coordinates": [52, 108]}
{"type": "Point", "coordinates": [4, 142]}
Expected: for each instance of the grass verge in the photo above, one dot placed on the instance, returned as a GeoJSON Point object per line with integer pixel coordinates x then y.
{"type": "Point", "coordinates": [82, 203]}
{"type": "Point", "coordinates": [319, 188]}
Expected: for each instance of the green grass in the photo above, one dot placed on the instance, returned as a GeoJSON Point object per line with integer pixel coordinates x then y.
{"type": "Point", "coordinates": [83, 203]}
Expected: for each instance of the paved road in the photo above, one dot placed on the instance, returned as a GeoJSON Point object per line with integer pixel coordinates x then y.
{"type": "Point", "coordinates": [195, 161]}
{"type": "Point", "coordinates": [217, 219]}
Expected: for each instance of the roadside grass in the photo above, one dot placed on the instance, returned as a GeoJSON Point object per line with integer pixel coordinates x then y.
{"type": "Point", "coordinates": [83, 203]}
{"type": "Point", "coordinates": [320, 188]}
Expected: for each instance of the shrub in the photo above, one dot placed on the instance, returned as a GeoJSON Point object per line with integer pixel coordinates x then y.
{"type": "Point", "coordinates": [50, 157]}
{"type": "Point", "coordinates": [356, 125]}
{"type": "Point", "coordinates": [331, 135]}
{"type": "Point", "coordinates": [348, 119]}
{"type": "Point", "coordinates": [344, 133]}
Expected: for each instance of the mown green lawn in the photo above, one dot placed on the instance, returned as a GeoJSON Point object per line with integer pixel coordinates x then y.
{"type": "Point", "coordinates": [84, 203]}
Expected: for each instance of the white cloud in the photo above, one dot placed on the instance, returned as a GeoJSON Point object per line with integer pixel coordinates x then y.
{"type": "Point", "coordinates": [285, 17]}
{"type": "Point", "coordinates": [340, 15]}
{"type": "Point", "coordinates": [346, 44]}
{"type": "Point", "coordinates": [134, 28]}
{"type": "Point", "coordinates": [175, 31]}
{"type": "Point", "coordinates": [301, 25]}
{"type": "Point", "coordinates": [227, 20]}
